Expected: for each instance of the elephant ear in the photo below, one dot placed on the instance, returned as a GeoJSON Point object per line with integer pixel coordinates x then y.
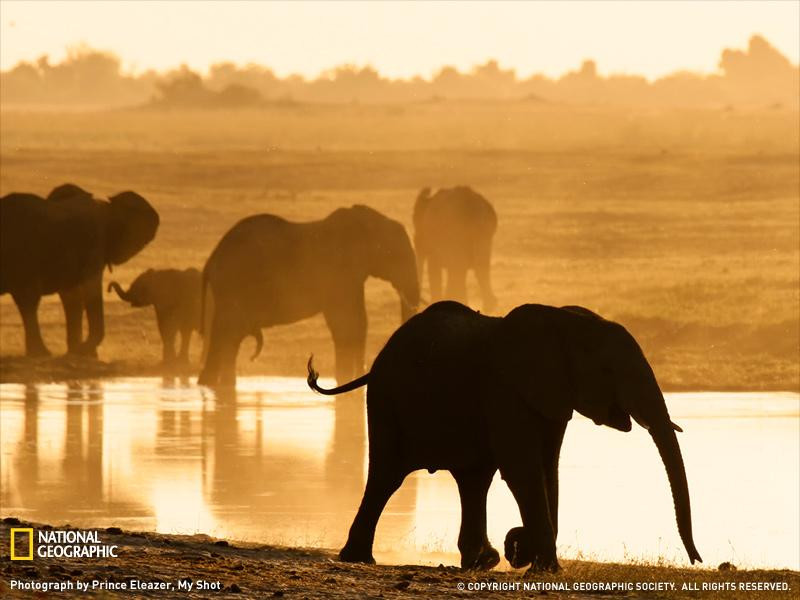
{"type": "Point", "coordinates": [532, 359]}
{"type": "Point", "coordinates": [594, 375]}
{"type": "Point", "coordinates": [132, 225]}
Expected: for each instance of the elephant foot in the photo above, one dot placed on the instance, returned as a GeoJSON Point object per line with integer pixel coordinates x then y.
{"type": "Point", "coordinates": [84, 350]}
{"type": "Point", "coordinates": [543, 566]}
{"type": "Point", "coordinates": [174, 365]}
{"type": "Point", "coordinates": [206, 378]}
{"type": "Point", "coordinates": [38, 352]}
{"type": "Point", "coordinates": [349, 554]}
{"type": "Point", "coordinates": [486, 558]}
{"type": "Point", "coordinates": [516, 548]}
{"type": "Point", "coordinates": [519, 552]}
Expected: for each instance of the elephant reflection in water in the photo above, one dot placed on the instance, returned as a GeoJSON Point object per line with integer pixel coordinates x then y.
{"type": "Point", "coordinates": [83, 465]}
{"type": "Point", "coordinates": [26, 454]}
{"type": "Point", "coordinates": [282, 487]}
{"type": "Point", "coordinates": [79, 484]}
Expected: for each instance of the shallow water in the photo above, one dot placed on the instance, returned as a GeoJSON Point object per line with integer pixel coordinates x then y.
{"type": "Point", "coordinates": [275, 463]}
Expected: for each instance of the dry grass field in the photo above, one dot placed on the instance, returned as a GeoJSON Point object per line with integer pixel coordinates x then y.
{"type": "Point", "coordinates": [682, 225]}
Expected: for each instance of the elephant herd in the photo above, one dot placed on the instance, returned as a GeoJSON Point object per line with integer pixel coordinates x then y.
{"type": "Point", "coordinates": [452, 389]}
{"type": "Point", "coordinates": [264, 271]}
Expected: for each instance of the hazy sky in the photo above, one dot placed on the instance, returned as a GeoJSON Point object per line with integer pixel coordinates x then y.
{"type": "Point", "coordinates": [401, 39]}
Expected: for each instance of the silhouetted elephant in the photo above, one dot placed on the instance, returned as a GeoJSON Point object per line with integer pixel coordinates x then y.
{"type": "Point", "coordinates": [453, 230]}
{"type": "Point", "coordinates": [456, 390]}
{"type": "Point", "coordinates": [60, 245]}
{"type": "Point", "coordinates": [268, 271]}
{"type": "Point", "coordinates": [175, 295]}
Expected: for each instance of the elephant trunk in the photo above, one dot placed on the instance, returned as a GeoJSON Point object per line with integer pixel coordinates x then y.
{"type": "Point", "coordinates": [667, 443]}
{"type": "Point", "coordinates": [126, 296]}
{"type": "Point", "coordinates": [407, 308]}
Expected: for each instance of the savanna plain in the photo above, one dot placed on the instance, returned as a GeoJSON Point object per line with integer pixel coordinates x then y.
{"type": "Point", "coordinates": [684, 225]}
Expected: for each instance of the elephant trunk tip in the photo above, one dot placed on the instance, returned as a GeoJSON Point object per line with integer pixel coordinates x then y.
{"type": "Point", "coordinates": [123, 295]}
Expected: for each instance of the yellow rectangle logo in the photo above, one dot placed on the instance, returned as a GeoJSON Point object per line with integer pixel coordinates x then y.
{"type": "Point", "coordinates": [14, 531]}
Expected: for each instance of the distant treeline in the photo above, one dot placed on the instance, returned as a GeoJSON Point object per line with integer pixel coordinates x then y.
{"type": "Point", "coordinates": [759, 76]}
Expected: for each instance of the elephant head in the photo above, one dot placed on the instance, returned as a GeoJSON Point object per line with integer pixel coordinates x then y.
{"type": "Point", "coordinates": [66, 191]}
{"type": "Point", "coordinates": [422, 202]}
{"type": "Point", "coordinates": [389, 256]}
{"type": "Point", "coordinates": [131, 221]}
{"type": "Point", "coordinates": [594, 366]}
{"type": "Point", "coordinates": [142, 292]}
{"type": "Point", "coordinates": [132, 225]}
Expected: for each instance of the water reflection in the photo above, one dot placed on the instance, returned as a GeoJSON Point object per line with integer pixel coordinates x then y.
{"type": "Point", "coordinates": [274, 463]}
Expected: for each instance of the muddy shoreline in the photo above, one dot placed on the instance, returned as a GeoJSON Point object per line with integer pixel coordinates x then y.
{"type": "Point", "coordinates": [152, 565]}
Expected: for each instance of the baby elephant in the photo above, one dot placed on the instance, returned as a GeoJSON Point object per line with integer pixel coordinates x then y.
{"type": "Point", "coordinates": [175, 295]}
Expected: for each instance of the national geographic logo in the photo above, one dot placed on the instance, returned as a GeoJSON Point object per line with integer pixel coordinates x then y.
{"type": "Point", "coordinates": [55, 543]}
{"type": "Point", "coordinates": [16, 534]}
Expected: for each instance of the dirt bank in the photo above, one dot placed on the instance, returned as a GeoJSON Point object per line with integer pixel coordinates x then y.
{"type": "Point", "coordinates": [157, 565]}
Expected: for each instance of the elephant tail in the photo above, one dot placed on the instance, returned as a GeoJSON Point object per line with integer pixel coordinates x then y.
{"type": "Point", "coordinates": [347, 387]}
{"type": "Point", "coordinates": [256, 333]}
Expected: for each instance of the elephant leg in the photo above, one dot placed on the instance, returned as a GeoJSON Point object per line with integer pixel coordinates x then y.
{"type": "Point", "coordinates": [421, 258]}
{"type": "Point", "coordinates": [227, 367]}
{"type": "Point", "coordinates": [382, 481]}
{"type": "Point", "coordinates": [435, 279]}
{"type": "Point", "coordinates": [457, 283]}
{"type": "Point", "coordinates": [483, 275]}
{"type": "Point", "coordinates": [93, 301]}
{"type": "Point", "coordinates": [209, 374]}
{"type": "Point", "coordinates": [551, 451]}
{"type": "Point", "coordinates": [72, 302]}
{"type": "Point", "coordinates": [169, 331]}
{"type": "Point", "coordinates": [473, 543]}
{"type": "Point", "coordinates": [28, 305]}
{"type": "Point", "coordinates": [186, 338]}
{"type": "Point", "coordinates": [349, 359]}
{"type": "Point", "coordinates": [348, 325]}
{"type": "Point", "coordinates": [519, 451]}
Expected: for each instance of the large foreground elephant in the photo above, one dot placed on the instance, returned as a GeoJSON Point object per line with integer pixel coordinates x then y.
{"type": "Point", "coordinates": [453, 231]}
{"type": "Point", "coordinates": [456, 390]}
{"type": "Point", "coordinates": [61, 245]}
{"type": "Point", "coordinates": [268, 271]}
{"type": "Point", "coordinates": [175, 296]}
